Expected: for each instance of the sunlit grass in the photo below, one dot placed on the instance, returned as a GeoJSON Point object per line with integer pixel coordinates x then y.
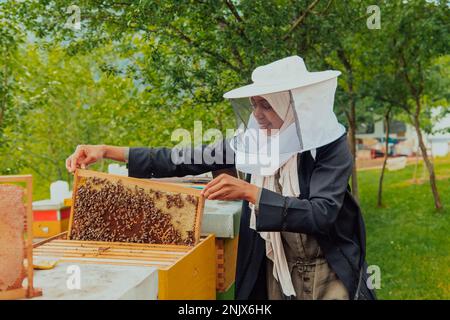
{"type": "Point", "coordinates": [407, 238]}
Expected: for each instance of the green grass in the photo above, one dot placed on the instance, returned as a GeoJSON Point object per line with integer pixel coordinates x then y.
{"type": "Point", "coordinates": [407, 238]}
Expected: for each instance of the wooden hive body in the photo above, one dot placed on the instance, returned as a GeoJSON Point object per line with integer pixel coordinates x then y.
{"type": "Point", "coordinates": [184, 272]}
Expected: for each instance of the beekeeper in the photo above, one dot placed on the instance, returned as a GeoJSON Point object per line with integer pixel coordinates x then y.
{"type": "Point", "coordinates": [301, 234]}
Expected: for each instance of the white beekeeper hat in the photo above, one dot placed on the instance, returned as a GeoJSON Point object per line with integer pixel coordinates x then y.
{"type": "Point", "coordinates": [312, 100]}
{"type": "Point", "coordinates": [281, 75]}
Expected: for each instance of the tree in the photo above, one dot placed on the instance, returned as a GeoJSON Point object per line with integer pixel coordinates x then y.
{"type": "Point", "coordinates": [11, 36]}
{"type": "Point", "coordinates": [416, 37]}
{"type": "Point", "coordinates": [180, 57]}
{"type": "Point", "coordinates": [201, 49]}
{"type": "Point", "coordinates": [348, 37]}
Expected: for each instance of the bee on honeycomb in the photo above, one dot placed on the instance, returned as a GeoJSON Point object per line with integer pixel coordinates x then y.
{"type": "Point", "coordinates": [109, 211]}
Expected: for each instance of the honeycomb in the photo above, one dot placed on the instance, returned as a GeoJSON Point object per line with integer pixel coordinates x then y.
{"type": "Point", "coordinates": [12, 214]}
{"type": "Point", "coordinates": [118, 211]}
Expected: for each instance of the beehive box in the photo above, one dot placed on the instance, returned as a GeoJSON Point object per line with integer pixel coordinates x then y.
{"type": "Point", "coordinates": [50, 218]}
{"type": "Point", "coordinates": [222, 219]}
{"type": "Point", "coordinates": [185, 261]}
{"type": "Point", "coordinates": [16, 239]}
{"type": "Point", "coordinates": [184, 272]}
{"type": "Point", "coordinates": [121, 209]}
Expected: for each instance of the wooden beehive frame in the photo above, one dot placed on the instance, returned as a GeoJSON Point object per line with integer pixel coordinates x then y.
{"type": "Point", "coordinates": [29, 291]}
{"type": "Point", "coordinates": [146, 184]}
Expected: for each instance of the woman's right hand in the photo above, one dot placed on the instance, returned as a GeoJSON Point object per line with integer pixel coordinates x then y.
{"type": "Point", "coordinates": [85, 155]}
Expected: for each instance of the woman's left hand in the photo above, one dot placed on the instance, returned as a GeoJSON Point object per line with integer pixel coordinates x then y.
{"type": "Point", "coordinates": [226, 187]}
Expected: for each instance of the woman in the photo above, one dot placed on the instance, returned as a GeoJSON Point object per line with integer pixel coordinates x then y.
{"type": "Point", "coordinates": [301, 233]}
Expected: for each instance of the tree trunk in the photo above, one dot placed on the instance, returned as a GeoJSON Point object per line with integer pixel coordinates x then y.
{"type": "Point", "coordinates": [416, 93]}
{"type": "Point", "coordinates": [423, 149]}
{"type": "Point", "coordinates": [352, 141]}
{"type": "Point", "coordinates": [416, 166]}
{"type": "Point", "coordinates": [380, 183]}
{"type": "Point", "coordinates": [351, 117]}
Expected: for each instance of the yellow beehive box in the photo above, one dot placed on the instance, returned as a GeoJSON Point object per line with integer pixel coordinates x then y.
{"type": "Point", "coordinates": [50, 218]}
{"type": "Point", "coordinates": [45, 229]}
{"type": "Point", "coordinates": [184, 272]}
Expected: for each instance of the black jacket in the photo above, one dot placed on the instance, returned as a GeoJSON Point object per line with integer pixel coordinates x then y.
{"type": "Point", "coordinates": [325, 209]}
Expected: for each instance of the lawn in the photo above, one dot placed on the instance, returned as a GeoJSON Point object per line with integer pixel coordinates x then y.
{"type": "Point", "coordinates": [407, 238]}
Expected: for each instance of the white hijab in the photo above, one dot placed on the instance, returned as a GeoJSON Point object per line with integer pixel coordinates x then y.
{"type": "Point", "coordinates": [290, 187]}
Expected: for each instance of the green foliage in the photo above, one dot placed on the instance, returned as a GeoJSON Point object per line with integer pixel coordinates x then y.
{"type": "Point", "coordinates": [137, 70]}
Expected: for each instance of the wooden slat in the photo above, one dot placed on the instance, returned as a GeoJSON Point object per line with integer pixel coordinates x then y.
{"type": "Point", "coordinates": [50, 239]}
{"type": "Point", "coordinates": [116, 258]}
{"type": "Point", "coordinates": [13, 294]}
{"type": "Point", "coordinates": [117, 255]}
{"type": "Point", "coordinates": [93, 250]}
{"type": "Point", "coordinates": [123, 244]}
{"type": "Point", "coordinates": [109, 254]}
{"type": "Point", "coordinates": [20, 178]}
{"type": "Point", "coordinates": [121, 251]}
{"type": "Point", "coordinates": [125, 262]}
{"type": "Point", "coordinates": [139, 182]}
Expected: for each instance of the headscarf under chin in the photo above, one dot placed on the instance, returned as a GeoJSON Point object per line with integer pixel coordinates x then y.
{"type": "Point", "coordinates": [289, 183]}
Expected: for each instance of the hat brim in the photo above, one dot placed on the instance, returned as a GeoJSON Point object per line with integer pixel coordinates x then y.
{"type": "Point", "coordinates": [253, 89]}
